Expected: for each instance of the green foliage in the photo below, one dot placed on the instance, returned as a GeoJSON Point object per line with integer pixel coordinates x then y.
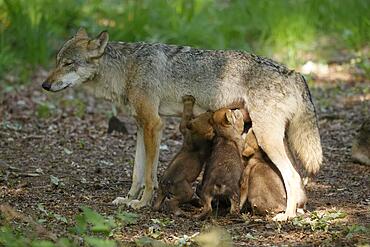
{"type": "Point", "coordinates": [55, 181]}
{"type": "Point", "coordinates": [32, 30]}
{"type": "Point", "coordinates": [147, 241]}
{"type": "Point", "coordinates": [91, 221]}
{"type": "Point", "coordinates": [356, 229]}
{"type": "Point", "coordinates": [50, 215]}
{"type": "Point", "coordinates": [319, 221]}
{"type": "Point", "coordinates": [10, 238]}
{"type": "Point", "coordinates": [127, 218]}
{"type": "Point", "coordinates": [44, 110]}
{"type": "Point", "coordinates": [90, 226]}
{"type": "Point", "coordinates": [97, 242]}
{"type": "Point", "coordinates": [76, 105]}
{"type": "Point", "coordinates": [11, 125]}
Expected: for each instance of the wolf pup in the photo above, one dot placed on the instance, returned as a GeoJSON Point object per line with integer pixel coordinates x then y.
{"type": "Point", "coordinates": [223, 170]}
{"type": "Point", "coordinates": [150, 79]}
{"type": "Point", "coordinates": [176, 183]}
{"type": "Point", "coordinates": [261, 184]}
{"type": "Point", "coordinates": [361, 144]}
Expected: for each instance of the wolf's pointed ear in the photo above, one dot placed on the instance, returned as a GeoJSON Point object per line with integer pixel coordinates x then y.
{"type": "Point", "coordinates": [229, 117]}
{"type": "Point", "coordinates": [97, 46]}
{"type": "Point", "coordinates": [81, 33]}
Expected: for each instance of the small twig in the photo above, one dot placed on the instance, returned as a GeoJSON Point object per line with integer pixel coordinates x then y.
{"type": "Point", "coordinates": [28, 174]}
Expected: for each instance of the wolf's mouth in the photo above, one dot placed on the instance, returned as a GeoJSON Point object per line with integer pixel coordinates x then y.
{"type": "Point", "coordinates": [60, 85]}
{"type": "Point", "coordinates": [66, 86]}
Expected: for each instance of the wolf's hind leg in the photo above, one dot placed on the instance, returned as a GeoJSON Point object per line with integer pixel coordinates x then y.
{"type": "Point", "coordinates": [272, 142]}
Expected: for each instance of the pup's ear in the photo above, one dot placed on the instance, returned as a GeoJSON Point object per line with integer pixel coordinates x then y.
{"type": "Point", "coordinates": [238, 114]}
{"type": "Point", "coordinates": [81, 33]}
{"type": "Point", "coordinates": [251, 139]}
{"type": "Point", "coordinates": [97, 46]}
{"type": "Point", "coordinates": [229, 117]}
{"type": "Point", "coordinates": [248, 151]}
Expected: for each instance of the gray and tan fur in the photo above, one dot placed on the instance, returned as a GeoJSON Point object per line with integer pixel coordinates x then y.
{"type": "Point", "coordinates": [152, 78]}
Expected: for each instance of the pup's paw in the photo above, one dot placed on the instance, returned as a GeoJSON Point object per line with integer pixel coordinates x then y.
{"type": "Point", "coordinates": [202, 215]}
{"type": "Point", "coordinates": [136, 204]}
{"type": "Point", "coordinates": [188, 99]}
{"type": "Point", "coordinates": [121, 200]}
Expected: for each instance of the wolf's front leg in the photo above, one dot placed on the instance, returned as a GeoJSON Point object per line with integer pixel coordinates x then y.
{"type": "Point", "coordinates": [152, 126]}
{"type": "Point", "coordinates": [137, 185]}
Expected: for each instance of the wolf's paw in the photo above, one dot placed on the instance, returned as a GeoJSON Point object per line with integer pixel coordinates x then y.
{"type": "Point", "coordinates": [283, 217]}
{"type": "Point", "coordinates": [136, 204]}
{"type": "Point", "coordinates": [300, 211]}
{"type": "Point", "coordinates": [155, 183]}
{"type": "Point", "coordinates": [121, 200]}
{"type": "Point", "coordinates": [280, 217]}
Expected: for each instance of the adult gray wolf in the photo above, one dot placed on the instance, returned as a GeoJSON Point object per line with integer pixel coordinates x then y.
{"type": "Point", "coordinates": [150, 79]}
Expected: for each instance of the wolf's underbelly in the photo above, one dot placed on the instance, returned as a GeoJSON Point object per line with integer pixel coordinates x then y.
{"type": "Point", "coordinates": [176, 109]}
{"type": "Point", "coordinates": [204, 100]}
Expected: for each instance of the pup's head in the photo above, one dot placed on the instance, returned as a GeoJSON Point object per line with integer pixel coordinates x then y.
{"type": "Point", "coordinates": [77, 61]}
{"type": "Point", "coordinates": [250, 144]}
{"type": "Point", "coordinates": [201, 125]}
{"type": "Point", "coordinates": [228, 122]}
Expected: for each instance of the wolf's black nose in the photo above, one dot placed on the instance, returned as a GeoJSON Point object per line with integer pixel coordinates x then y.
{"type": "Point", "coordinates": [46, 85]}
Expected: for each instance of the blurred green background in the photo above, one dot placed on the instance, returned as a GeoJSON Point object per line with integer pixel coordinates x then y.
{"type": "Point", "coordinates": [291, 31]}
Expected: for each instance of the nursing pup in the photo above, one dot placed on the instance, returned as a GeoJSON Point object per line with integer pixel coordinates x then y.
{"type": "Point", "coordinates": [224, 168]}
{"type": "Point", "coordinates": [261, 183]}
{"type": "Point", "coordinates": [176, 183]}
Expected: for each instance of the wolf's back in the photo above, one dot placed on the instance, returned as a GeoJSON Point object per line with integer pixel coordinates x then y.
{"type": "Point", "coordinates": [303, 134]}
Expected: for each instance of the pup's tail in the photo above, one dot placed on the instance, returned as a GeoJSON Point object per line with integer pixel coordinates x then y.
{"type": "Point", "coordinates": [303, 135]}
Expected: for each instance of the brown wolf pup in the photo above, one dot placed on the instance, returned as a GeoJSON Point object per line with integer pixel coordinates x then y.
{"type": "Point", "coordinates": [224, 168]}
{"type": "Point", "coordinates": [261, 184]}
{"type": "Point", "coordinates": [176, 183]}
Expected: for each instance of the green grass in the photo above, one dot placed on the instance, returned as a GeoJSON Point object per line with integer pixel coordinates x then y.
{"type": "Point", "coordinates": [31, 31]}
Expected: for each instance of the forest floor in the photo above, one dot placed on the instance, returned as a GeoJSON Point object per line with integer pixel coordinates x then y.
{"type": "Point", "coordinates": [56, 156]}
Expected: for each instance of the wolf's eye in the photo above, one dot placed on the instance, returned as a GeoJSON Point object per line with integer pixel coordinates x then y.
{"type": "Point", "coordinates": [67, 63]}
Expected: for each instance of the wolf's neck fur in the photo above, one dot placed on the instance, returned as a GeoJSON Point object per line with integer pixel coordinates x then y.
{"type": "Point", "coordinates": [110, 80]}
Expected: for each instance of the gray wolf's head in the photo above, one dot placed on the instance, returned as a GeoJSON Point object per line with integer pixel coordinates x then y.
{"type": "Point", "coordinates": [77, 61]}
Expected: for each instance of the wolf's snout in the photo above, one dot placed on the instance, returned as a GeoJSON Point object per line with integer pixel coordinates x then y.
{"type": "Point", "coordinates": [46, 85]}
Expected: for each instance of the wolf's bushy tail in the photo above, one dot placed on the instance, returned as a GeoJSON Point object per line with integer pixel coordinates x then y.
{"type": "Point", "coordinates": [304, 138]}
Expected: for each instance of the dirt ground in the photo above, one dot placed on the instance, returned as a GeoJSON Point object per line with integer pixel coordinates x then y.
{"type": "Point", "coordinates": [55, 152]}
